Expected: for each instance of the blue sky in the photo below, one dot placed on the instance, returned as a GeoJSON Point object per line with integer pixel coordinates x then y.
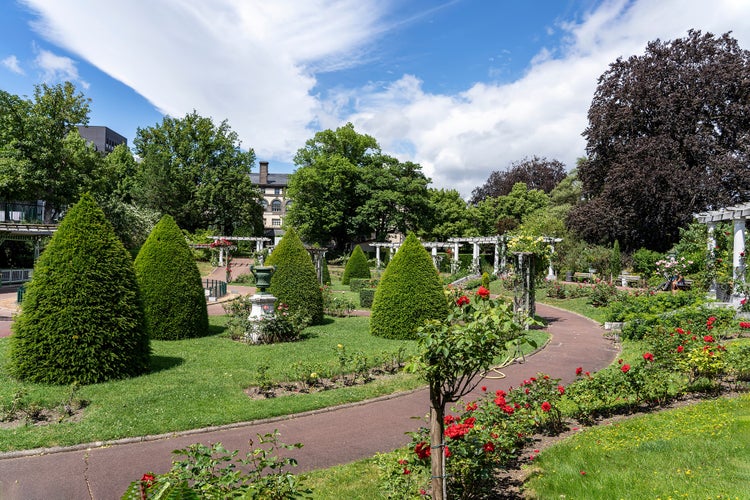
{"type": "Point", "coordinates": [463, 87]}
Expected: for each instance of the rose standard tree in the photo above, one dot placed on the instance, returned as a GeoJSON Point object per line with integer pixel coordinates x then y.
{"type": "Point", "coordinates": [452, 354]}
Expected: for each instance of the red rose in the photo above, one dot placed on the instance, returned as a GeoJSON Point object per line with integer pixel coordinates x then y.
{"type": "Point", "coordinates": [579, 370]}
{"type": "Point", "coordinates": [680, 348]}
{"type": "Point", "coordinates": [483, 293]}
{"type": "Point", "coordinates": [708, 338]}
{"type": "Point", "coordinates": [489, 447]}
{"type": "Point", "coordinates": [484, 388]}
{"type": "Point", "coordinates": [561, 389]}
{"type": "Point", "coordinates": [148, 479]}
{"type": "Point", "coordinates": [422, 450]}
{"type": "Point", "coordinates": [648, 356]}
{"type": "Point", "coordinates": [625, 368]}
{"type": "Point", "coordinates": [546, 407]}
{"type": "Point", "coordinates": [462, 301]}
{"type": "Point", "coordinates": [471, 406]}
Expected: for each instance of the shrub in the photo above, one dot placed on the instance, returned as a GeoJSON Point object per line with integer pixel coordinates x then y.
{"type": "Point", "coordinates": [295, 282]}
{"type": "Point", "coordinates": [326, 273]}
{"type": "Point", "coordinates": [644, 261]}
{"type": "Point", "coordinates": [82, 316]}
{"type": "Point", "coordinates": [357, 284]}
{"type": "Point", "coordinates": [409, 293]}
{"type": "Point", "coordinates": [173, 297]}
{"type": "Point", "coordinates": [366, 296]}
{"type": "Point", "coordinates": [356, 266]}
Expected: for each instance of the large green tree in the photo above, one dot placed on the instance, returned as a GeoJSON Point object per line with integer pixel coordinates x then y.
{"type": "Point", "coordinates": [42, 156]}
{"type": "Point", "coordinates": [345, 189]}
{"type": "Point", "coordinates": [196, 172]}
{"type": "Point", "coordinates": [535, 172]}
{"type": "Point", "coordinates": [668, 136]}
{"type": "Point", "coordinates": [497, 215]}
{"type": "Point", "coordinates": [448, 216]}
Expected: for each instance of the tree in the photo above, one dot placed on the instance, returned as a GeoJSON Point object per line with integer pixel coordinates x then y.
{"type": "Point", "coordinates": [42, 156]}
{"type": "Point", "coordinates": [409, 293]}
{"type": "Point", "coordinates": [196, 172]}
{"type": "Point", "coordinates": [295, 282]}
{"type": "Point", "coordinates": [667, 137]}
{"type": "Point", "coordinates": [356, 266]}
{"type": "Point", "coordinates": [493, 215]}
{"type": "Point", "coordinates": [536, 173]}
{"type": "Point", "coordinates": [170, 283]}
{"type": "Point", "coordinates": [345, 189]}
{"type": "Point", "coordinates": [448, 216]}
{"type": "Point", "coordinates": [82, 316]}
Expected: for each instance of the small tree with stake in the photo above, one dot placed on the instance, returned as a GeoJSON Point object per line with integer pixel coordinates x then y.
{"type": "Point", "coordinates": [451, 356]}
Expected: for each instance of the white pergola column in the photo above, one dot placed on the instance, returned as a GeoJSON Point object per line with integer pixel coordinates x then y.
{"type": "Point", "coordinates": [434, 257]}
{"type": "Point", "coordinates": [258, 246]}
{"type": "Point", "coordinates": [221, 256]}
{"type": "Point", "coordinates": [496, 263]}
{"type": "Point", "coordinates": [738, 257]}
{"type": "Point", "coordinates": [377, 257]}
{"type": "Point", "coordinates": [475, 258]}
{"type": "Point", "coordinates": [711, 254]}
{"type": "Point", "coordinates": [550, 269]}
{"type": "Point", "coordinates": [503, 260]}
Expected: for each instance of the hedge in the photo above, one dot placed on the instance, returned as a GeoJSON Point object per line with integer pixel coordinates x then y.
{"type": "Point", "coordinates": [82, 317]}
{"type": "Point", "coordinates": [171, 286]}
{"type": "Point", "coordinates": [356, 266]}
{"type": "Point", "coordinates": [295, 282]}
{"type": "Point", "coordinates": [409, 293]}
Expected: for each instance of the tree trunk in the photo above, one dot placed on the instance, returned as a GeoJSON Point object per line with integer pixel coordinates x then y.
{"type": "Point", "coordinates": [437, 452]}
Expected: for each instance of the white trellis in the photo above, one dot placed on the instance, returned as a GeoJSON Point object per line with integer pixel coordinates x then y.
{"type": "Point", "coordinates": [738, 214]}
{"type": "Point", "coordinates": [259, 241]}
{"type": "Point", "coordinates": [500, 250]}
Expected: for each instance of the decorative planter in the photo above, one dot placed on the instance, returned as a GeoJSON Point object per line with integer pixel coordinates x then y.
{"type": "Point", "coordinates": [723, 292]}
{"type": "Point", "coordinates": [262, 276]}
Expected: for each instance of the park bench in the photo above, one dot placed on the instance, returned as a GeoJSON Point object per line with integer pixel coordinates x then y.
{"type": "Point", "coordinates": [583, 277]}
{"type": "Point", "coordinates": [627, 279]}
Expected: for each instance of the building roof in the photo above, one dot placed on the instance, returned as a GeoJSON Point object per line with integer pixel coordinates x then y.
{"type": "Point", "coordinates": [273, 179]}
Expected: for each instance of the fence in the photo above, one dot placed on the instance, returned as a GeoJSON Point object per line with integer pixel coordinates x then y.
{"type": "Point", "coordinates": [13, 276]}
{"type": "Point", "coordinates": [215, 289]}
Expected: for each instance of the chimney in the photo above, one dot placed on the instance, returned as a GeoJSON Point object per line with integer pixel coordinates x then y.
{"type": "Point", "coordinates": [263, 173]}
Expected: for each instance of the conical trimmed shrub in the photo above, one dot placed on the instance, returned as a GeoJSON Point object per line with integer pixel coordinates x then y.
{"type": "Point", "coordinates": [82, 317]}
{"type": "Point", "coordinates": [409, 293]}
{"type": "Point", "coordinates": [173, 296]}
{"type": "Point", "coordinates": [295, 282]}
{"type": "Point", "coordinates": [356, 266]}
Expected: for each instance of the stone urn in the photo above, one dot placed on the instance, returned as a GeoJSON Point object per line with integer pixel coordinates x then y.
{"type": "Point", "coordinates": [262, 276]}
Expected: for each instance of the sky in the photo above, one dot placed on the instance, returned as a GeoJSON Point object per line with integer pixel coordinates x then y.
{"type": "Point", "coordinates": [462, 87]}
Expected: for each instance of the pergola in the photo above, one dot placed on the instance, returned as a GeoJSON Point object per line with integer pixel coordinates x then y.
{"type": "Point", "coordinates": [738, 214]}
{"type": "Point", "coordinates": [24, 232]}
{"type": "Point", "coordinates": [498, 241]}
{"type": "Point", "coordinates": [259, 241]}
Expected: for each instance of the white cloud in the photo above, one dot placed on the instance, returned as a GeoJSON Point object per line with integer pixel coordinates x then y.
{"type": "Point", "coordinates": [57, 68]}
{"type": "Point", "coordinates": [11, 62]}
{"type": "Point", "coordinates": [251, 63]}
{"type": "Point", "coordinates": [255, 64]}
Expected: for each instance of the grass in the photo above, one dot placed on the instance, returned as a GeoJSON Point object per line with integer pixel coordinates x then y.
{"type": "Point", "coordinates": [199, 382]}
{"type": "Point", "coordinates": [356, 480]}
{"type": "Point", "coordinates": [698, 451]}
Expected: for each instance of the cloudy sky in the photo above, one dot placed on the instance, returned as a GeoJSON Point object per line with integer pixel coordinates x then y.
{"type": "Point", "coordinates": [463, 87]}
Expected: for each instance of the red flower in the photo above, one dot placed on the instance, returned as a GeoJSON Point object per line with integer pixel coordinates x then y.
{"type": "Point", "coordinates": [457, 431]}
{"type": "Point", "coordinates": [680, 331]}
{"type": "Point", "coordinates": [546, 407]}
{"type": "Point", "coordinates": [745, 324]}
{"type": "Point", "coordinates": [619, 361]}
{"type": "Point", "coordinates": [708, 338]}
{"type": "Point", "coordinates": [509, 409]}
{"type": "Point", "coordinates": [500, 400]}
{"type": "Point", "coordinates": [648, 356]}
{"type": "Point", "coordinates": [561, 389]}
{"type": "Point", "coordinates": [447, 452]}
{"type": "Point", "coordinates": [403, 461]}
{"type": "Point", "coordinates": [579, 370]}
{"type": "Point", "coordinates": [406, 471]}
{"type": "Point", "coordinates": [422, 450]}
{"type": "Point", "coordinates": [462, 301]}
{"type": "Point", "coordinates": [680, 348]}
{"type": "Point", "coordinates": [483, 293]}
{"type": "Point", "coordinates": [500, 392]}
{"type": "Point", "coordinates": [448, 419]}
{"type": "Point", "coordinates": [625, 368]}
{"type": "Point", "coordinates": [470, 421]}
{"type": "Point", "coordinates": [489, 447]}
{"type": "Point", "coordinates": [583, 472]}
{"type": "Point", "coordinates": [148, 479]}
{"type": "Point", "coordinates": [484, 388]}
{"type": "Point", "coordinates": [471, 406]}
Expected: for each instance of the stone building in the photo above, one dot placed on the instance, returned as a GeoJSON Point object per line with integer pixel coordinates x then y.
{"type": "Point", "coordinates": [273, 188]}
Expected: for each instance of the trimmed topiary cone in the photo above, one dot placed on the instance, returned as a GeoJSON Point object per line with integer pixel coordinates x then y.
{"type": "Point", "coordinates": [295, 282]}
{"type": "Point", "coordinates": [82, 317]}
{"type": "Point", "coordinates": [409, 293]}
{"type": "Point", "coordinates": [173, 297]}
{"type": "Point", "coordinates": [356, 266]}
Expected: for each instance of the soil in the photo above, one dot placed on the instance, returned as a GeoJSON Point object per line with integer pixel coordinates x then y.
{"type": "Point", "coordinates": [34, 416]}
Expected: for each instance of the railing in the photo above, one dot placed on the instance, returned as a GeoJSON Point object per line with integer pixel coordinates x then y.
{"type": "Point", "coordinates": [215, 289]}
{"type": "Point", "coordinates": [13, 276]}
{"type": "Point", "coordinates": [21, 212]}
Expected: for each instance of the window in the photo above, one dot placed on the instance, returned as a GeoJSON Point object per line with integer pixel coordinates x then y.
{"type": "Point", "coordinates": [276, 190]}
{"type": "Point", "coordinates": [264, 204]}
{"type": "Point", "coordinates": [276, 206]}
{"type": "Point", "coordinates": [276, 222]}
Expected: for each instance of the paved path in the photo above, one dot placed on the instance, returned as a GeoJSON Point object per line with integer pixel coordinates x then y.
{"type": "Point", "coordinates": [330, 437]}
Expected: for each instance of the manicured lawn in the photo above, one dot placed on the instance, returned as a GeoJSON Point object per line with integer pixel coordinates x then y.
{"type": "Point", "coordinates": [200, 382]}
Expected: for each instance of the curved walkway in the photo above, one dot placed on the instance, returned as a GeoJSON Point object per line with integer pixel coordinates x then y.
{"type": "Point", "coordinates": [330, 436]}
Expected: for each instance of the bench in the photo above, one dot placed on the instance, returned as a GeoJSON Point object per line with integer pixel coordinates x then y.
{"type": "Point", "coordinates": [583, 277]}
{"type": "Point", "coordinates": [627, 279]}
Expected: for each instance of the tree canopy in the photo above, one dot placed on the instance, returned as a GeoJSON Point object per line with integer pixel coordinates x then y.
{"type": "Point", "coordinates": [196, 172]}
{"type": "Point", "coordinates": [668, 136]}
{"type": "Point", "coordinates": [536, 173]}
{"type": "Point", "coordinates": [345, 189]}
{"type": "Point", "coordinates": [42, 156]}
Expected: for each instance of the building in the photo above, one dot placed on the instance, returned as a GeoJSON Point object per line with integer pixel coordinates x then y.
{"type": "Point", "coordinates": [103, 138]}
{"type": "Point", "coordinates": [273, 188]}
